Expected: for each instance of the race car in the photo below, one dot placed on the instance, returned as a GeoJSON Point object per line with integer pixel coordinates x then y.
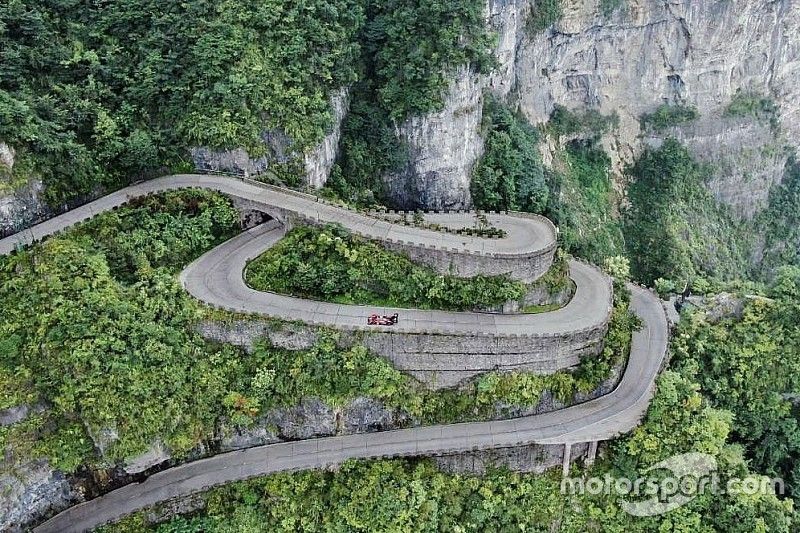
{"type": "Point", "coordinates": [384, 320]}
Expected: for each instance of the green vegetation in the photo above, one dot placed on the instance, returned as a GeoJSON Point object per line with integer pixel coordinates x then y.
{"type": "Point", "coordinates": [510, 175]}
{"type": "Point", "coordinates": [780, 223]}
{"type": "Point", "coordinates": [583, 202]}
{"type": "Point", "coordinates": [282, 378]}
{"type": "Point", "coordinates": [410, 50]}
{"type": "Point", "coordinates": [667, 116]}
{"type": "Point", "coordinates": [589, 123]}
{"type": "Point", "coordinates": [674, 229]}
{"type": "Point", "coordinates": [330, 264]}
{"type": "Point", "coordinates": [414, 45]}
{"type": "Point", "coordinates": [608, 7]}
{"type": "Point", "coordinates": [94, 320]}
{"type": "Point", "coordinates": [753, 104]}
{"type": "Point", "coordinates": [405, 495]}
{"type": "Point", "coordinates": [124, 90]}
{"type": "Point", "coordinates": [544, 13]}
{"type": "Point", "coordinates": [751, 367]}
{"type": "Point", "coordinates": [578, 195]}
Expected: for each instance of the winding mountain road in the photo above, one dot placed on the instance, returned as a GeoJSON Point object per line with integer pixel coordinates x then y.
{"type": "Point", "coordinates": [216, 278]}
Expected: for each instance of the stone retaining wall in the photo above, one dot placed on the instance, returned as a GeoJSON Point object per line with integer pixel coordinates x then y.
{"type": "Point", "coordinates": [439, 361]}
{"type": "Point", "coordinates": [534, 458]}
{"type": "Point", "coordinates": [526, 267]}
{"type": "Point", "coordinates": [442, 361]}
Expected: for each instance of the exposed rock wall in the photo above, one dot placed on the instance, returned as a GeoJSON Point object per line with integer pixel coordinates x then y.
{"type": "Point", "coordinates": [534, 458]}
{"type": "Point", "coordinates": [320, 160]}
{"type": "Point", "coordinates": [747, 158]}
{"type": "Point", "coordinates": [316, 162]}
{"type": "Point", "coordinates": [653, 51]}
{"type": "Point", "coordinates": [700, 52]}
{"type": "Point", "coordinates": [31, 491]}
{"type": "Point", "coordinates": [20, 204]}
{"type": "Point", "coordinates": [445, 146]}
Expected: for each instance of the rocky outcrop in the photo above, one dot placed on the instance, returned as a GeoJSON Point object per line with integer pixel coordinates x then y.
{"type": "Point", "coordinates": [312, 418]}
{"type": "Point", "coordinates": [445, 146]}
{"type": "Point", "coordinates": [7, 155]}
{"type": "Point", "coordinates": [651, 52]}
{"type": "Point", "coordinates": [746, 158]}
{"type": "Point", "coordinates": [31, 491]}
{"type": "Point", "coordinates": [320, 159]}
{"type": "Point", "coordinates": [21, 204]}
{"type": "Point", "coordinates": [278, 147]}
{"type": "Point", "coordinates": [157, 454]}
{"type": "Point", "coordinates": [647, 53]}
{"type": "Point", "coordinates": [18, 413]}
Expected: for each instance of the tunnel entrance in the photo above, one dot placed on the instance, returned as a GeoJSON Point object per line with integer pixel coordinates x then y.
{"type": "Point", "coordinates": [250, 218]}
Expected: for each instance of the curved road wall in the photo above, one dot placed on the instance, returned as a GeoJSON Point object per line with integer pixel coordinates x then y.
{"type": "Point", "coordinates": [524, 255]}
{"type": "Point", "coordinates": [480, 339]}
{"type": "Point", "coordinates": [440, 348]}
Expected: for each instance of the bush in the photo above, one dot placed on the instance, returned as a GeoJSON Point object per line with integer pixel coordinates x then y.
{"type": "Point", "coordinates": [544, 13]}
{"type": "Point", "coordinates": [664, 287]}
{"type": "Point", "coordinates": [753, 104]}
{"type": "Point", "coordinates": [332, 265]}
{"type": "Point", "coordinates": [667, 116]}
{"type": "Point", "coordinates": [510, 175]}
{"type": "Point", "coordinates": [591, 122]}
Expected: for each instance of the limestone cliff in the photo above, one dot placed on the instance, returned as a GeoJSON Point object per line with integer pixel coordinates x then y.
{"type": "Point", "coordinates": [20, 200]}
{"type": "Point", "coordinates": [648, 52]}
{"type": "Point", "coordinates": [316, 162]}
{"type": "Point", "coordinates": [444, 146]}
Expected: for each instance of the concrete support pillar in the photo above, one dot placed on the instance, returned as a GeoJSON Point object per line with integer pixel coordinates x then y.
{"type": "Point", "coordinates": [567, 458]}
{"type": "Point", "coordinates": [591, 454]}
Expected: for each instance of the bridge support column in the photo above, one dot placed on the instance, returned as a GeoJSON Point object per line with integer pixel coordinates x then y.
{"type": "Point", "coordinates": [567, 459]}
{"type": "Point", "coordinates": [591, 454]}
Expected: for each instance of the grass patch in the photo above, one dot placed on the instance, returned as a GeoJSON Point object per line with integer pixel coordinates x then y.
{"type": "Point", "coordinates": [330, 264]}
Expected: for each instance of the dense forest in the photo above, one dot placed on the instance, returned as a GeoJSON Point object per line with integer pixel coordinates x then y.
{"type": "Point", "coordinates": [94, 95]}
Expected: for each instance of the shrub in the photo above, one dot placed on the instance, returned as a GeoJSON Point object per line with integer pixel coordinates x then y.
{"type": "Point", "coordinates": [667, 116]}
{"type": "Point", "coordinates": [509, 175]}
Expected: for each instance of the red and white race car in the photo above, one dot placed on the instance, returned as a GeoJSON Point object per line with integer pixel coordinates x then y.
{"type": "Point", "coordinates": [382, 320]}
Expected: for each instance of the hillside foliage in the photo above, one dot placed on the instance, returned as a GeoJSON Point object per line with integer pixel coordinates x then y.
{"type": "Point", "coordinates": [98, 94]}
{"type": "Point", "coordinates": [330, 264]}
{"type": "Point", "coordinates": [406, 495]}
{"type": "Point", "coordinates": [510, 175]}
{"type": "Point", "coordinates": [674, 228]}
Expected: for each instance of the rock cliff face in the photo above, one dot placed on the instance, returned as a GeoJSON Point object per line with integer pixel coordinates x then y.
{"type": "Point", "coordinates": [20, 203]}
{"type": "Point", "coordinates": [316, 162]}
{"type": "Point", "coordinates": [444, 146]}
{"type": "Point", "coordinates": [649, 52]}
{"type": "Point", "coordinates": [746, 158]}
